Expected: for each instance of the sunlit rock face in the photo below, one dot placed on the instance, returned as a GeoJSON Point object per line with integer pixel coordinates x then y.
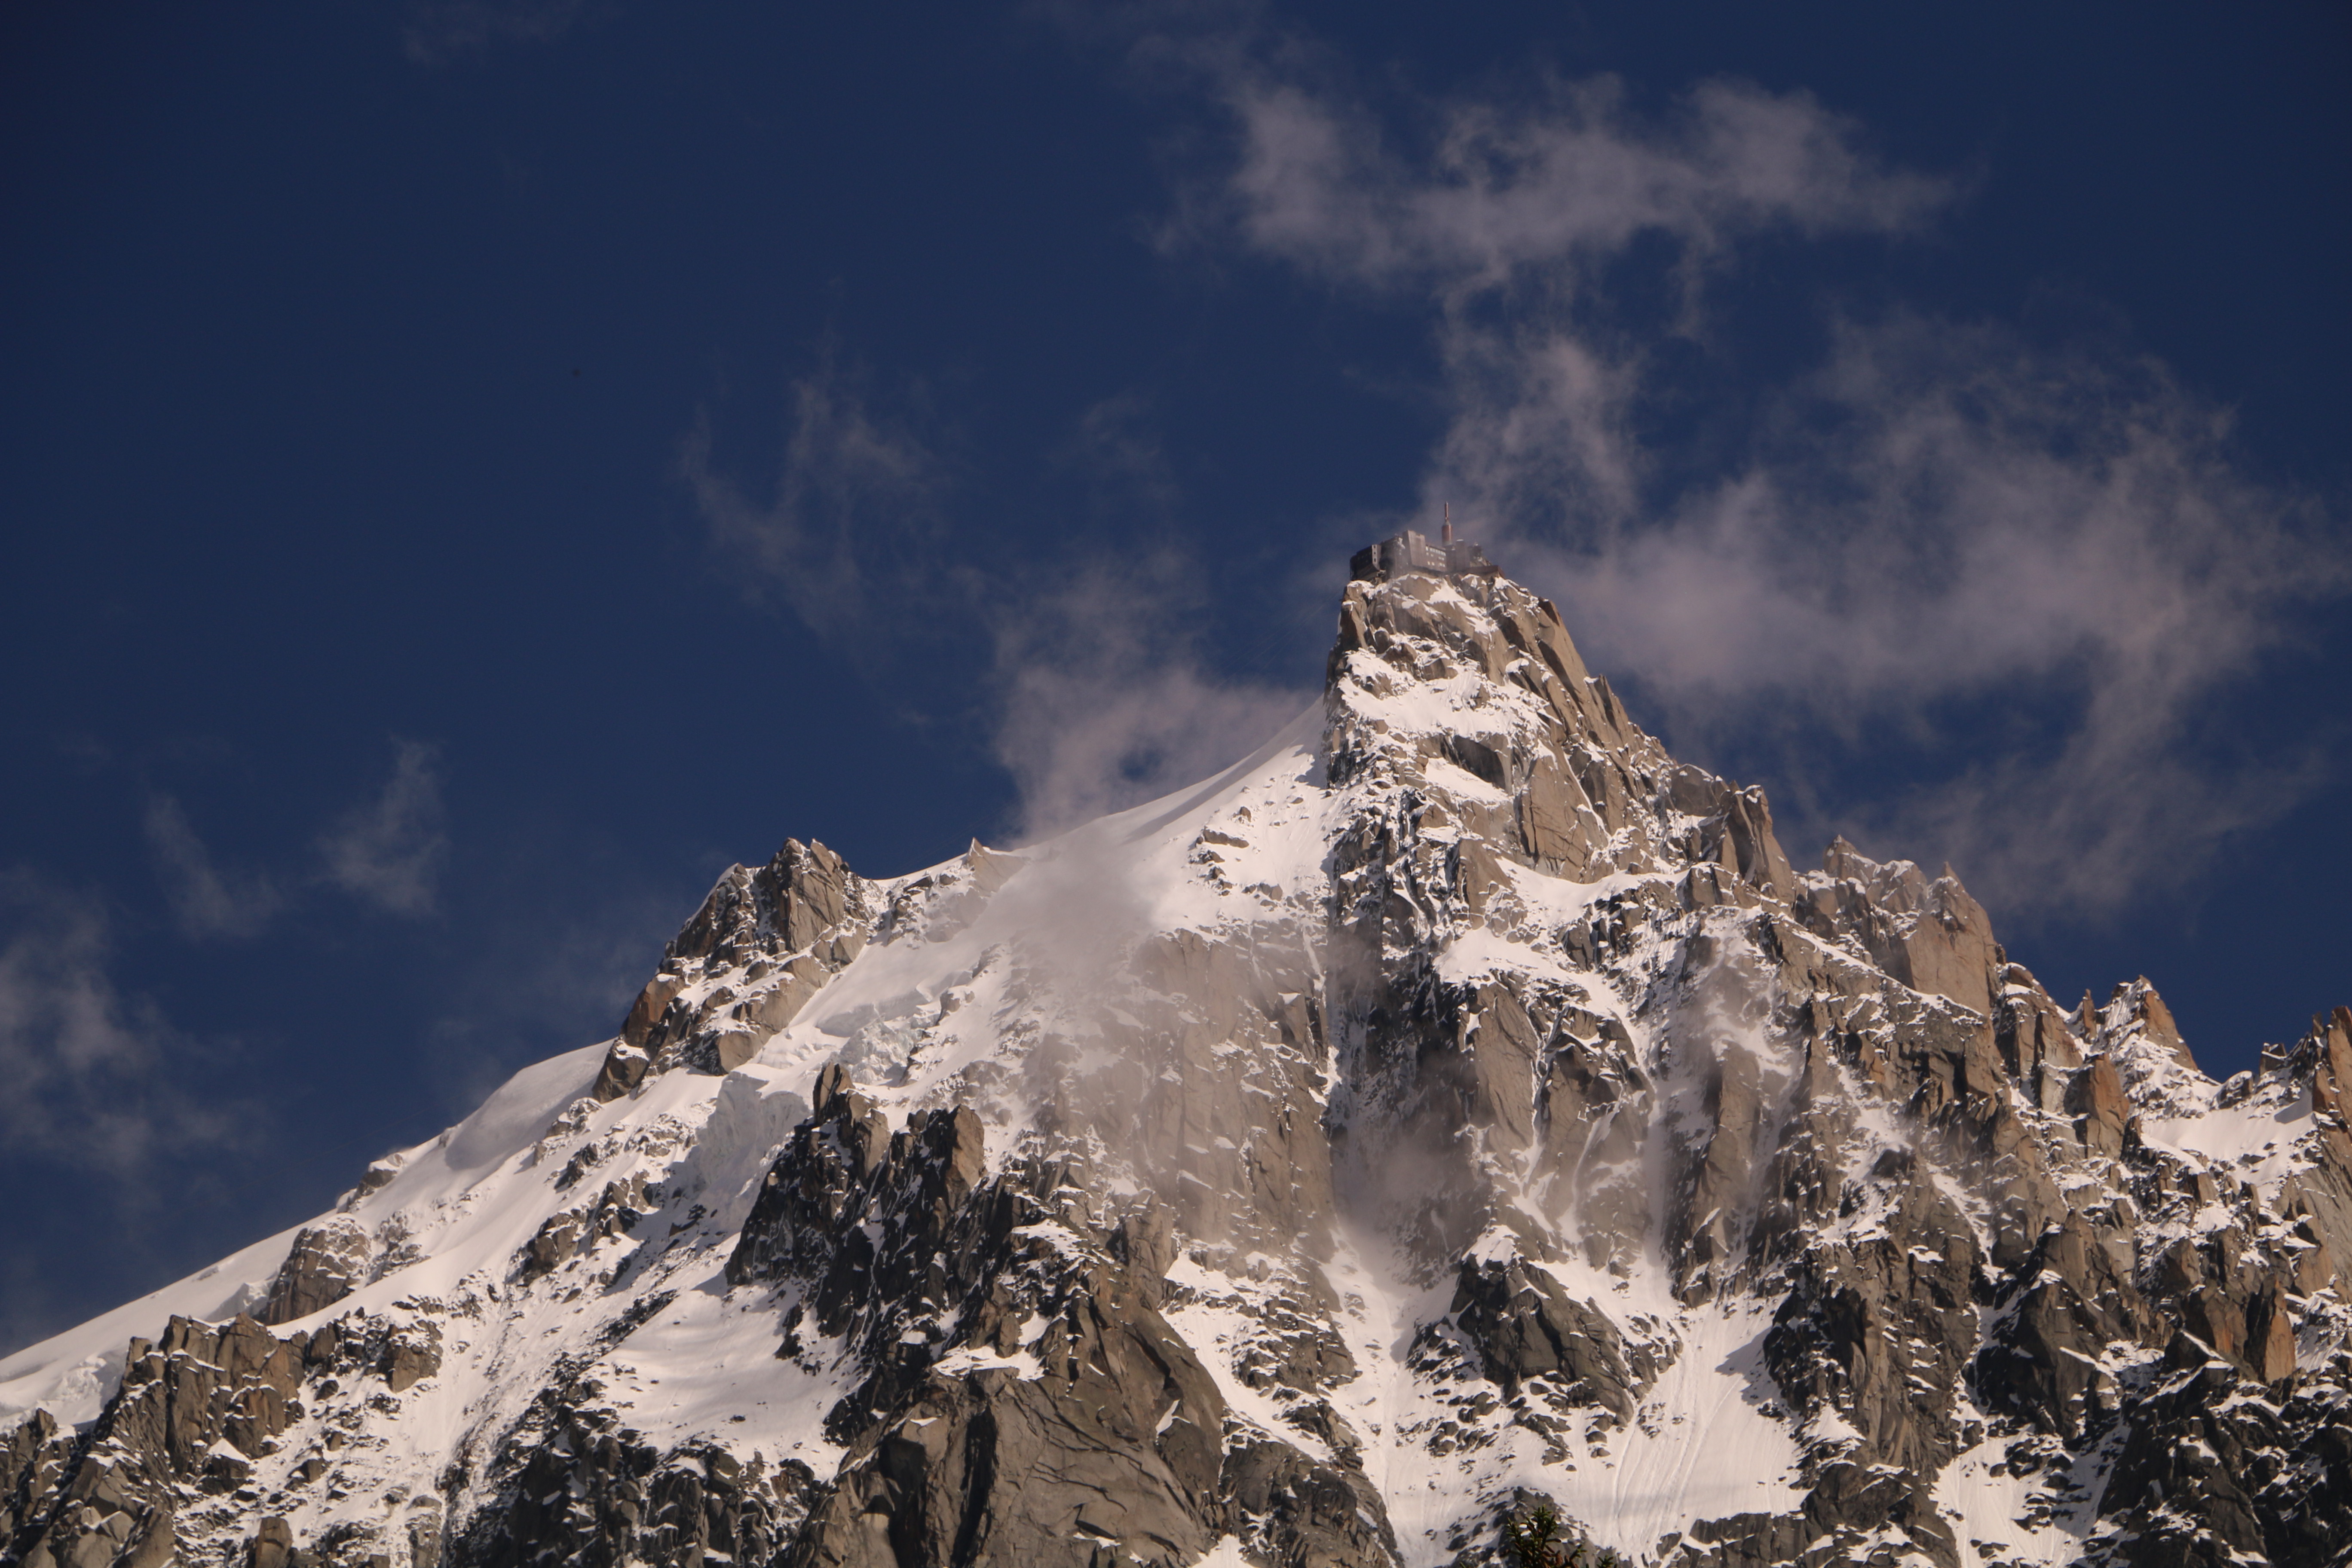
{"type": "Point", "coordinates": [1458, 1104]}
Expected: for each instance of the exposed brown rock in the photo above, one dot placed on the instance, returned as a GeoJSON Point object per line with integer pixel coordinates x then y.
{"type": "Point", "coordinates": [2144, 1009]}
{"type": "Point", "coordinates": [1526, 1326]}
{"type": "Point", "coordinates": [326, 1261]}
{"type": "Point", "coordinates": [2102, 1111]}
{"type": "Point", "coordinates": [272, 1546]}
{"type": "Point", "coordinates": [780, 932]}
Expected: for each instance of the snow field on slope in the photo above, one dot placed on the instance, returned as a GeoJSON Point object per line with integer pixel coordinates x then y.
{"type": "Point", "coordinates": [1699, 1447]}
{"type": "Point", "coordinates": [706, 1367]}
{"type": "Point", "coordinates": [2253, 1140]}
{"type": "Point", "coordinates": [1035, 952]}
{"type": "Point", "coordinates": [1984, 1507]}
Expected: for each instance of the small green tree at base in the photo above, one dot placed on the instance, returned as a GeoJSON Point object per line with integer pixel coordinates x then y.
{"type": "Point", "coordinates": [1532, 1539]}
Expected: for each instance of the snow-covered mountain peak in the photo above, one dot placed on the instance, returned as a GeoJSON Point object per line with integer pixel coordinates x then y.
{"type": "Point", "coordinates": [1457, 1103]}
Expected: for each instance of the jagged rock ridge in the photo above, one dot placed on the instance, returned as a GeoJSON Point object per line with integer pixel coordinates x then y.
{"type": "Point", "coordinates": [1457, 1104]}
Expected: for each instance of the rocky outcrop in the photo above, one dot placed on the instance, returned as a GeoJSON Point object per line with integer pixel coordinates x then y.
{"type": "Point", "coordinates": [2212, 1475]}
{"type": "Point", "coordinates": [897, 1244]}
{"type": "Point", "coordinates": [2102, 1111]}
{"type": "Point", "coordinates": [1931, 936]}
{"type": "Point", "coordinates": [1288, 1509]}
{"type": "Point", "coordinates": [2328, 1048]}
{"type": "Point", "coordinates": [192, 1412]}
{"type": "Point", "coordinates": [592, 1490]}
{"type": "Point", "coordinates": [325, 1261]}
{"type": "Point", "coordinates": [173, 1455]}
{"type": "Point", "coordinates": [1526, 1326]}
{"type": "Point", "coordinates": [762, 943]}
{"type": "Point", "coordinates": [1877, 1329]}
{"type": "Point", "coordinates": [31, 1462]}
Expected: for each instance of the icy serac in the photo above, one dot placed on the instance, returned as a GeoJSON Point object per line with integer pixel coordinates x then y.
{"type": "Point", "coordinates": [1457, 1104]}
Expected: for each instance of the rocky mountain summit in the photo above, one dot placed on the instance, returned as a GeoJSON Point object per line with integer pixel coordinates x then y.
{"type": "Point", "coordinates": [1456, 1106]}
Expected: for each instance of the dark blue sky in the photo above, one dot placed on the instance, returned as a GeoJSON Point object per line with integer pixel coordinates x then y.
{"type": "Point", "coordinates": [470, 472]}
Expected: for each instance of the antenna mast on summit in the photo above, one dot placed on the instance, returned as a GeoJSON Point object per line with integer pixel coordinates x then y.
{"type": "Point", "coordinates": [1446, 535]}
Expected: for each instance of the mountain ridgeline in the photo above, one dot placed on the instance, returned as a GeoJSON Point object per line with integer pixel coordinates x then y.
{"type": "Point", "coordinates": [1457, 1106]}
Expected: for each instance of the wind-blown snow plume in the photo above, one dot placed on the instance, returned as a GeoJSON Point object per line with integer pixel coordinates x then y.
{"type": "Point", "coordinates": [1107, 702]}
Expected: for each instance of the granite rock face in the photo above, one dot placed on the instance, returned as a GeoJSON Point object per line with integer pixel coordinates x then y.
{"type": "Point", "coordinates": [1459, 1104]}
{"type": "Point", "coordinates": [776, 934]}
{"type": "Point", "coordinates": [327, 1260]}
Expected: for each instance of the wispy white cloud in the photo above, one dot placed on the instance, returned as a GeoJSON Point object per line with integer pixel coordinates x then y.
{"type": "Point", "coordinates": [206, 901]}
{"type": "Point", "coordinates": [84, 1061]}
{"type": "Point", "coordinates": [1944, 517]}
{"type": "Point", "coordinates": [390, 851]}
{"type": "Point", "coordinates": [856, 500]}
{"type": "Point", "coordinates": [442, 32]}
{"type": "Point", "coordinates": [1514, 221]}
{"type": "Point", "coordinates": [1935, 515]}
{"type": "Point", "coordinates": [1506, 195]}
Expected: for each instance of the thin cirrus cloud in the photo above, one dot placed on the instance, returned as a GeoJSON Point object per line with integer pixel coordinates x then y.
{"type": "Point", "coordinates": [445, 32]}
{"type": "Point", "coordinates": [1502, 195]}
{"type": "Point", "coordinates": [1985, 524]}
{"type": "Point", "coordinates": [1934, 515]}
{"type": "Point", "coordinates": [206, 901]}
{"type": "Point", "coordinates": [388, 852]}
{"type": "Point", "coordinates": [83, 1059]}
{"type": "Point", "coordinates": [856, 495]}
